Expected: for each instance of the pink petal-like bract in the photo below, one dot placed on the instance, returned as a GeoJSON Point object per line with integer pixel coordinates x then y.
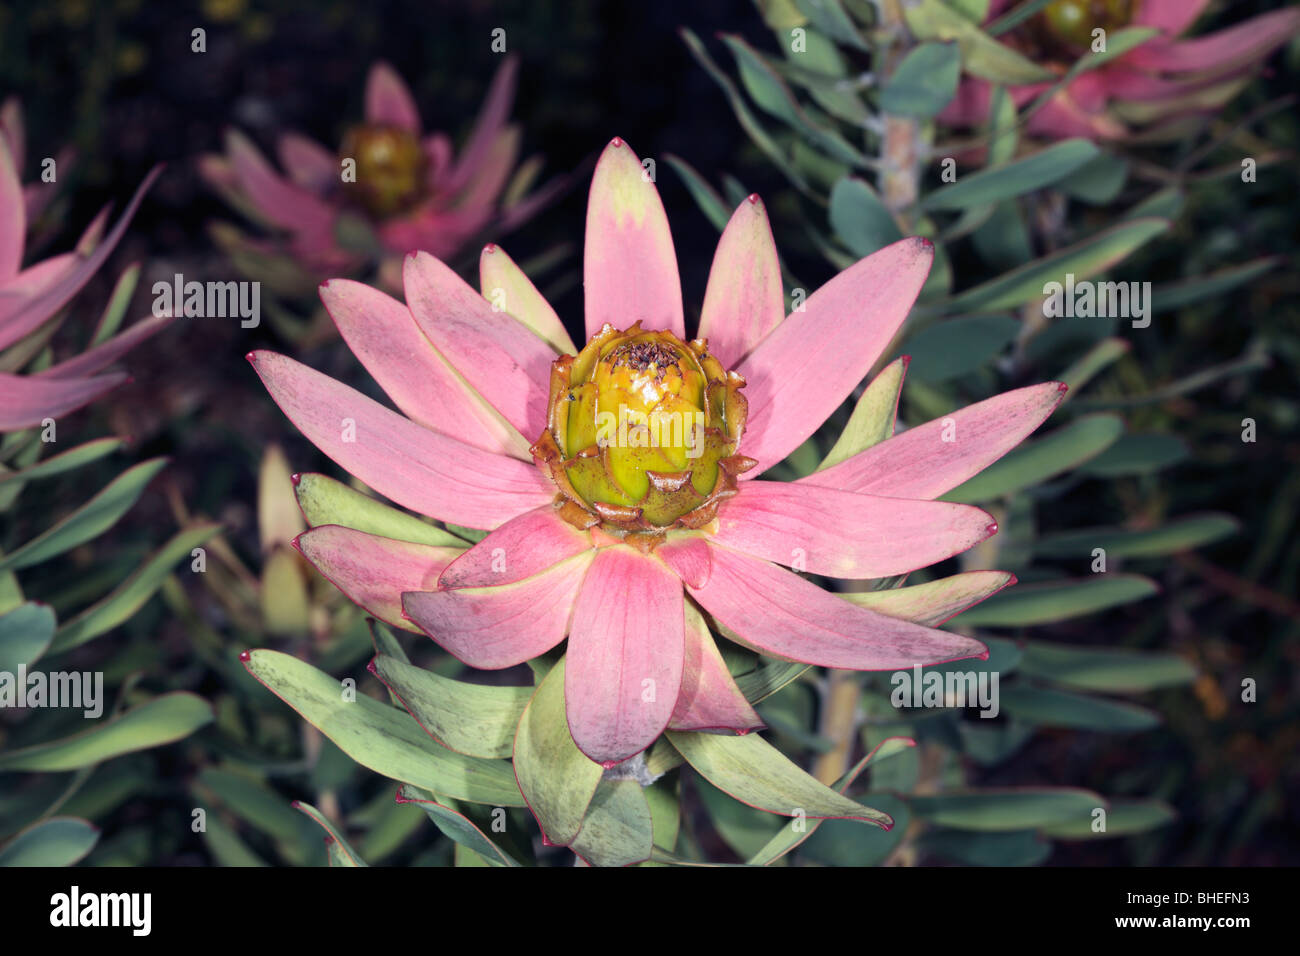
{"type": "Point", "coordinates": [497, 627]}
{"type": "Point", "coordinates": [373, 571]}
{"type": "Point", "coordinates": [810, 363]}
{"type": "Point", "coordinates": [743, 301]}
{"type": "Point", "coordinates": [629, 268]}
{"type": "Point", "coordinates": [626, 649]}
{"type": "Point", "coordinates": [506, 363]}
{"type": "Point", "coordinates": [845, 535]}
{"type": "Point", "coordinates": [520, 548]}
{"type": "Point", "coordinates": [779, 613]}
{"type": "Point", "coordinates": [383, 335]}
{"type": "Point", "coordinates": [709, 699]}
{"type": "Point", "coordinates": [932, 459]}
{"type": "Point", "coordinates": [419, 469]}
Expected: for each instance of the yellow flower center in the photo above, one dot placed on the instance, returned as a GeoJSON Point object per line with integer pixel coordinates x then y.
{"type": "Point", "coordinates": [391, 168]}
{"type": "Point", "coordinates": [642, 432]}
{"type": "Point", "coordinates": [1072, 22]}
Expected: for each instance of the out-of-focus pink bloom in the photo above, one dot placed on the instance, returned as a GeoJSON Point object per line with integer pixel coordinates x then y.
{"type": "Point", "coordinates": [13, 131]}
{"type": "Point", "coordinates": [489, 395]}
{"type": "Point", "coordinates": [1163, 79]}
{"type": "Point", "coordinates": [33, 296]}
{"type": "Point", "coordinates": [389, 189]}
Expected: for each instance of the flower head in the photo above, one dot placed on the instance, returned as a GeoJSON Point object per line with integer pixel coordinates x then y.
{"type": "Point", "coordinates": [32, 296]}
{"type": "Point", "coordinates": [620, 547]}
{"type": "Point", "coordinates": [641, 432]}
{"type": "Point", "coordinates": [1161, 79]}
{"type": "Point", "coordinates": [389, 187]}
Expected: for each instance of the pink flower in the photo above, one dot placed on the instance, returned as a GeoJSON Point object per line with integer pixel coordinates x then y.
{"type": "Point", "coordinates": [33, 296]}
{"type": "Point", "coordinates": [1164, 78]}
{"type": "Point", "coordinates": [13, 131]}
{"type": "Point", "coordinates": [387, 190]}
{"type": "Point", "coordinates": [564, 557]}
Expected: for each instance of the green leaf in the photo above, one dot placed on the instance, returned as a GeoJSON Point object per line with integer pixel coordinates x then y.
{"type": "Point", "coordinates": [1105, 670]}
{"type": "Point", "coordinates": [283, 599]}
{"type": "Point", "coordinates": [253, 801]}
{"type": "Point", "coordinates": [90, 520]}
{"type": "Point", "coordinates": [1097, 181]}
{"type": "Point", "coordinates": [1037, 461]}
{"type": "Point", "coordinates": [1092, 363]}
{"type": "Point", "coordinates": [1003, 240]}
{"type": "Point", "coordinates": [58, 841]}
{"type": "Point", "coordinates": [1026, 605]}
{"type": "Point", "coordinates": [1014, 848]}
{"type": "Point", "coordinates": [768, 678]}
{"type": "Point", "coordinates": [1000, 810]}
{"type": "Point", "coordinates": [1182, 534]}
{"type": "Point", "coordinates": [796, 832]}
{"type": "Point", "coordinates": [474, 719]}
{"type": "Point", "coordinates": [933, 602]}
{"type": "Point", "coordinates": [948, 350]}
{"type": "Point", "coordinates": [380, 737]}
{"type": "Point", "coordinates": [1137, 454]}
{"type": "Point", "coordinates": [1016, 16]}
{"type": "Point", "coordinates": [118, 607]}
{"type": "Point", "coordinates": [772, 95]}
{"type": "Point", "coordinates": [118, 301]}
{"type": "Point", "coordinates": [1083, 259]}
{"type": "Point", "coordinates": [665, 812]}
{"type": "Point", "coordinates": [873, 416]}
{"type": "Point", "coordinates": [1165, 204]}
{"type": "Point", "coordinates": [830, 18]}
{"type": "Point", "coordinates": [754, 772]}
{"type": "Point", "coordinates": [1047, 166]}
{"type": "Point", "coordinates": [982, 55]}
{"type": "Point", "coordinates": [705, 196]}
{"type": "Point", "coordinates": [1123, 818]}
{"type": "Point", "coordinates": [456, 826]}
{"type": "Point", "coordinates": [340, 851]}
{"type": "Point", "coordinates": [25, 633]}
{"type": "Point", "coordinates": [558, 779]}
{"type": "Point", "coordinates": [760, 136]}
{"type": "Point", "coordinates": [1058, 708]}
{"type": "Point", "coordinates": [163, 720]}
{"type": "Point", "coordinates": [924, 83]}
{"type": "Point", "coordinates": [64, 461]}
{"type": "Point", "coordinates": [1175, 295]}
{"type": "Point", "coordinates": [860, 218]}
{"type": "Point", "coordinates": [326, 501]}
{"type": "Point", "coordinates": [226, 846]}
{"type": "Point", "coordinates": [746, 830]}
{"type": "Point", "coordinates": [618, 829]}
{"type": "Point", "coordinates": [844, 843]}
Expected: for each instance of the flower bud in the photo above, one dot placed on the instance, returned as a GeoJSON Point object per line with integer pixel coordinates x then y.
{"type": "Point", "coordinates": [642, 432]}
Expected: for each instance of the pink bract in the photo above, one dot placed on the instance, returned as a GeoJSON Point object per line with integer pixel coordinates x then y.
{"type": "Point", "coordinates": [33, 296]}
{"type": "Point", "coordinates": [1162, 79]}
{"type": "Point", "coordinates": [473, 382]}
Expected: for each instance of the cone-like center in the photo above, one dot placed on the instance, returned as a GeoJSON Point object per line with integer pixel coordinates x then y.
{"type": "Point", "coordinates": [391, 167]}
{"type": "Point", "coordinates": [1070, 22]}
{"type": "Point", "coordinates": [642, 433]}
